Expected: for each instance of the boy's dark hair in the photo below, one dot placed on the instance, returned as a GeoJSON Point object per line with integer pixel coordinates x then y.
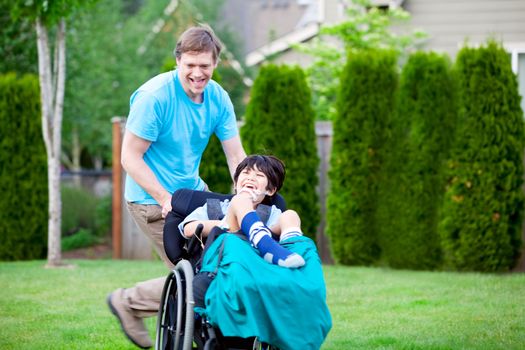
{"type": "Point", "coordinates": [271, 166]}
{"type": "Point", "coordinates": [198, 39]}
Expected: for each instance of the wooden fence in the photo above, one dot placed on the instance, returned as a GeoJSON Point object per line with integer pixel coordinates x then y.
{"type": "Point", "coordinates": [130, 243]}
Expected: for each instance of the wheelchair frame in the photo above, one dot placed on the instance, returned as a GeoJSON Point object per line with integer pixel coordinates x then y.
{"type": "Point", "coordinates": [169, 328]}
{"type": "Point", "coordinates": [176, 326]}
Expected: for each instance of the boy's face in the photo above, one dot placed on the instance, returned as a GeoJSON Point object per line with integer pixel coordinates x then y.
{"type": "Point", "coordinates": [253, 180]}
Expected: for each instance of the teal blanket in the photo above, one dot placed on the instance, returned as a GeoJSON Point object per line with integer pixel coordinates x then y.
{"type": "Point", "coordinates": [250, 297]}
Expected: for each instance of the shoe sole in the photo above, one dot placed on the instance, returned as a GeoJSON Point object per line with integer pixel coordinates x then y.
{"type": "Point", "coordinates": [114, 312]}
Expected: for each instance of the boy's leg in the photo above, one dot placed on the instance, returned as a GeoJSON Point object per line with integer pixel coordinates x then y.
{"type": "Point", "coordinates": [261, 237]}
{"type": "Point", "coordinates": [290, 225]}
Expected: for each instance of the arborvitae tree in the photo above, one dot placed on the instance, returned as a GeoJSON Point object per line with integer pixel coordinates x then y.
{"type": "Point", "coordinates": [280, 122]}
{"type": "Point", "coordinates": [23, 170]}
{"type": "Point", "coordinates": [214, 168]}
{"type": "Point", "coordinates": [483, 206]}
{"type": "Point", "coordinates": [365, 103]}
{"type": "Point", "coordinates": [413, 182]}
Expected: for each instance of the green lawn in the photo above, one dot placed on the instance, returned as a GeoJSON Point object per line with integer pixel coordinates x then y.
{"type": "Point", "coordinates": [372, 308]}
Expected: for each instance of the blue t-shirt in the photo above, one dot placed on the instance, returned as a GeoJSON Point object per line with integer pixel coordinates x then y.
{"type": "Point", "coordinates": [179, 130]}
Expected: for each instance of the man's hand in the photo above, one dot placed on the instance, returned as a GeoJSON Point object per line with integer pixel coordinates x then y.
{"type": "Point", "coordinates": [166, 206]}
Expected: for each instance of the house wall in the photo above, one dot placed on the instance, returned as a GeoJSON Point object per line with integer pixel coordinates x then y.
{"type": "Point", "coordinates": [450, 22]}
{"type": "Point", "coordinates": [258, 22]}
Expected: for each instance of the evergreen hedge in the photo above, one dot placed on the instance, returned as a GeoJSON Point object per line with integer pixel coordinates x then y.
{"type": "Point", "coordinates": [483, 206]}
{"type": "Point", "coordinates": [422, 133]}
{"type": "Point", "coordinates": [23, 170]}
{"type": "Point", "coordinates": [214, 168]}
{"type": "Point", "coordinates": [280, 121]}
{"type": "Point", "coordinates": [364, 106]}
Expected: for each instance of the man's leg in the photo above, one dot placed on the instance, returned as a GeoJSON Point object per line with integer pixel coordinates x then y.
{"type": "Point", "coordinates": [133, 304]}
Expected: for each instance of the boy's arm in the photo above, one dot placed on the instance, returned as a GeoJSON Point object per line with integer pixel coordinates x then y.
{"type": "Point", "coordinates": [189, 227]}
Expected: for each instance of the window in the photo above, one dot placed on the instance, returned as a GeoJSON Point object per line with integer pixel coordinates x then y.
{"type": "Point", "coordinates": [517, 56]}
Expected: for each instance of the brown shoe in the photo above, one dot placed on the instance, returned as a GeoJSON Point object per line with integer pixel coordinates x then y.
{"type": "Point", "coordinates": [133, 327]}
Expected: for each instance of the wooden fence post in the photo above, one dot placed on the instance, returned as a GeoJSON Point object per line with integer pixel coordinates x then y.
{"type": "Point", "coordinates": [116, 228]}
{"type": "Point", "coordinates": [324, 132]}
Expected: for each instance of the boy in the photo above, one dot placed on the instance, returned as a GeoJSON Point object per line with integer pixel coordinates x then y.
{"type": "Point", "coordinates": [256, 176]}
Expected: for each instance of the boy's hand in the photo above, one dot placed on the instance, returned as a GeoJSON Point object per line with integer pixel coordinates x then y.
{"type": "Point", "coordinates": [256, 196]}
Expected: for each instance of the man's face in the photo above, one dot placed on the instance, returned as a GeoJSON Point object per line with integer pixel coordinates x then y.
{"type": "Point", "coordinates": [195, 70]}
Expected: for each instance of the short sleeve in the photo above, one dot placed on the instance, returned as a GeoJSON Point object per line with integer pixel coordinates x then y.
{"type": "Point", "coordinates": [227, 124]}
{"type": "Point", "coordinates": [275, 213]}
{"type": "Point", "coordinates": [144, 118]}
{"type": "Point", "coordinates": [201, 213]}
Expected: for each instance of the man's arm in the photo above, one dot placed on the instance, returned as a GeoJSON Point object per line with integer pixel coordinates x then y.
{"type": "Point", "coordinates": [234, 152]}
{"type": "Point", "coordinates": [133, 149]}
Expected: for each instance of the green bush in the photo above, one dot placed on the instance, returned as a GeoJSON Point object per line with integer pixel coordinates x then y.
{"type": "Point", "coordinates": [103, 216]}
{"type": "Point", "coordinates": [78, 210]}
{"type": "Point", "coordinates": [214, 168]}
{"type": "Point", "coordinates": [280, 121]}
{"type": "Point", "coordinates": [413, 183]}
{"type": "Point", "coordinates": [482, 212]}
{"type": "Point", "coordinates": [83, 211]}
{"type": "Point", "coordinates": [82, 238]}
{"type": "Point", "coordinates": [365, 103]}
{"type": "Point", "coordinates": [23, 170]}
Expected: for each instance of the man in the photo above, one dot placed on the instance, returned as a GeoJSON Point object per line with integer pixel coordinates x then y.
{"type": "Point", "coordinates": [171, 119]}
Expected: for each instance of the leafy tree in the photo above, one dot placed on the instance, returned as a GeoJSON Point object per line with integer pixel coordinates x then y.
{"type": "Point", "coordinates": [413, 183]}
{"type": "Point", "coordinates": [49, 18]}
{"type": "Point", "coordinates": [17, 43]}
{"type": "Point", "coordinates": [367, 27]}
{"type": "Point", "coordinates": [23, 204]}
{"type": "Point", "coordinates": [280, 121]}
{"type": "Point", "coordinates": [95, 89]}
{"type": "Point", "coordinates": [483, 207]}
{"type": "Point", "coordinates": [365, 103]}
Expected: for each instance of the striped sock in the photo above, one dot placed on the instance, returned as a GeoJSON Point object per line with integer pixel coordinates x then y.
{"type": "Point", "coordinates": [290, 232]}
{"type": "Point", "coordinates": [261, 238]}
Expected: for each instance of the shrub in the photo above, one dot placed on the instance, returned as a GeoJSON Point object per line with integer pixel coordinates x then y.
{"type": "Point", "coordinates": [365, 102]}
{"type": "Point", "coordinates": [78, 210]}
{"type": "Point", "coordinates": [280, 121]}
{"type": "Point", "coordinates": [103, 216]}
{"type": "Point", "coordinates": [413, 186]}
{"type": "Point", "coordinates": [214, 168]}
{"type": "Point", "coordinates": [82, 238]}
{"type": "Point", "coordinates": [23, 170]}
{"type": "Point", "coordinates": [483, 206]}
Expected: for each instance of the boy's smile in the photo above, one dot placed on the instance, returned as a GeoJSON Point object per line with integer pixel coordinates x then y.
{"type": "Point", "coordinates": [253, 180]}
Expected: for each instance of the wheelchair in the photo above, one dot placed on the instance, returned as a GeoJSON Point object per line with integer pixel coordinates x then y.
{"type": "Point", "coordinates": [178, 326]}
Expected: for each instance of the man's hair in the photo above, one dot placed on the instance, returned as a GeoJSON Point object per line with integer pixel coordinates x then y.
{"type": "Point", "coordinates": [198, 39]}
{"type": "Point", "coordinates": [271, 166]}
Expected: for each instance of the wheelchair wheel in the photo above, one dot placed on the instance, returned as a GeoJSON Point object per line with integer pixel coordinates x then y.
{"type": "Point", "coordinates": [175, 319]}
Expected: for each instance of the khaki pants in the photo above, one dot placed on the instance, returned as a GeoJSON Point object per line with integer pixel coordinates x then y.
{"type": "Point", "coordinates": [143, 299]}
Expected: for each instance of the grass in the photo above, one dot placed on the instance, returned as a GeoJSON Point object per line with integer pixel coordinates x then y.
{"type": "Point", "coordinates": [372, 308]}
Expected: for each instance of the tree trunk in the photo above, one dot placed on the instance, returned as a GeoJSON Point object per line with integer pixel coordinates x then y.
{"type": "Point", "coordinates": [52, 98]}
{"type": "Point", "coordinates": [75, 157]}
